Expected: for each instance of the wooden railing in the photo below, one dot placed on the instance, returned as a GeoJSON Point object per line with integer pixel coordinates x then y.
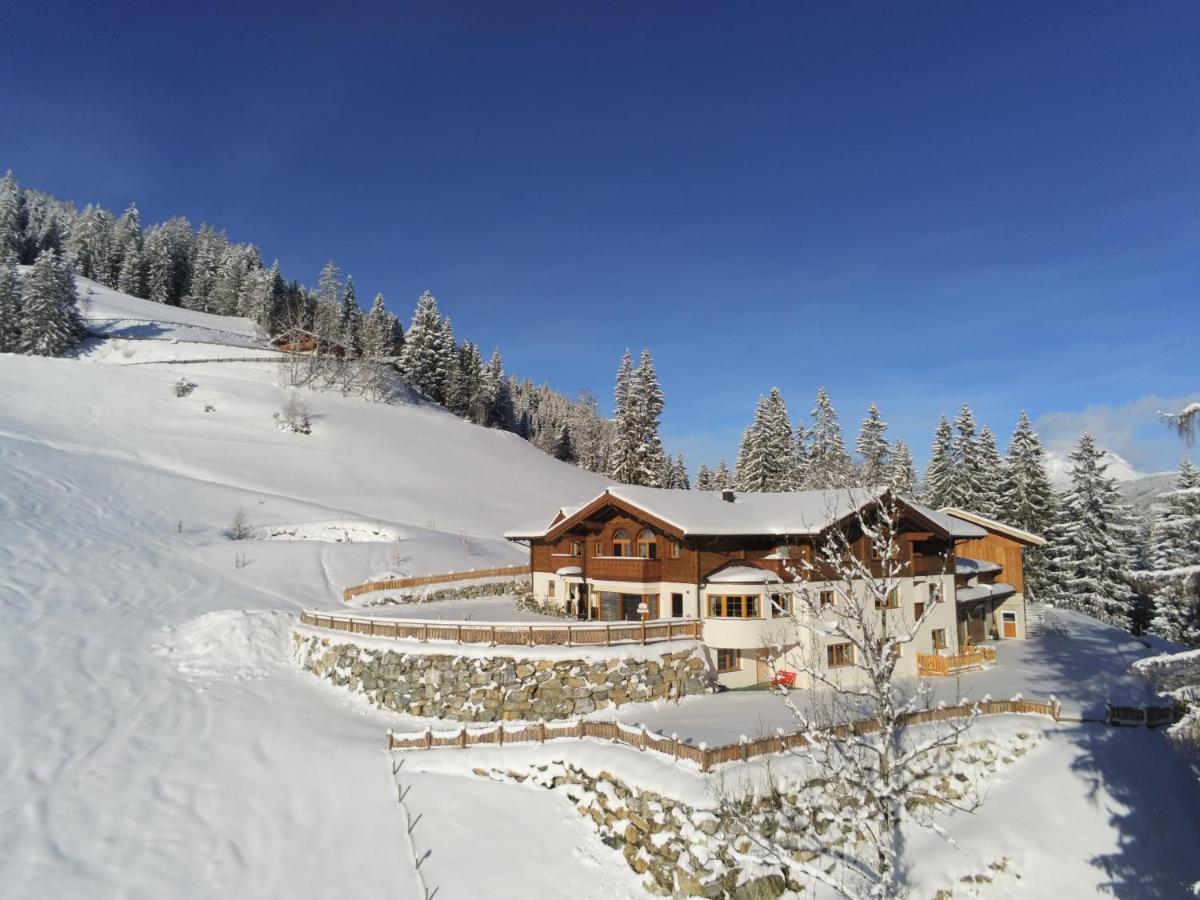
{"type": "Point", "coordinates": [509, 633]}
{"type": "Point", "coordinates": [399, 584]}
{"type": "Point", "coordinates": [1150, 716]}
{"type": "Point", "coordinates": [933, 664]}
{"type": "Point", "coordinates": [624, 568]}
{"type": "Point", "coordinates": [702, 755]}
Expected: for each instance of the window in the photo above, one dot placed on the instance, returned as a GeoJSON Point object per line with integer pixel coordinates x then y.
{"type": "Point", "coordinates": [597, 548]}
{"type": "Point", "coordinates": [550, 589]}
{"type": "Point", "coordinates": [892, 601]}
{"type": "Point", "coordinates": [935, 592]}
{"type": "Point", "coordinates": [621, 543]}
{"type": "Point", "coordinates": [727, 661]}
{"type": "Point", "coordinates": [675, 549]}
{"type": "Point", "coordinates": [939, 639]}
{"type": "Point", "coordinates": [647, 545]}
{"type": "Point", "coordinates": [826, 599]}
{"type": "Point", "coordinates": [918, 611]}
{"type": "Point", "coordinates": [839, 655]}
{"type": "Point", "coordinates": [677, 606]}
{"type": "Point", "coordinates": [781, 605]}
{"type": "Point", "coordinates": [576, 548]}
{"type": "Point", "coordinates": [732, 607]}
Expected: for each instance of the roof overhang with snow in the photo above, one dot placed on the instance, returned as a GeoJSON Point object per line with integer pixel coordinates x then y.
{"type": "Point", "coordinates": [1017, 534]}
{"type": "Point", "coordinates": [737, 574]}
{"type": "Point", "coordinates": [683, 513]}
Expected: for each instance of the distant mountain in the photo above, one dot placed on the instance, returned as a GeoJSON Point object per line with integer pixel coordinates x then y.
{"type": "Point", "coordinates": [1139, 488]}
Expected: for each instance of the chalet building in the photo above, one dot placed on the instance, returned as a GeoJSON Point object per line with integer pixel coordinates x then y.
{"type": "Point", "coordinates": [728, 559]}
{"type": "Point", "coordinates": [989, 579]}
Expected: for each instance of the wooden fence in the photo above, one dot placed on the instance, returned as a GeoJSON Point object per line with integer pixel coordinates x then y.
{"type": "Point", "coordinates": [702, 755]}
{"type": "Point", "coordinates": [509, 633]}
{"type": "Point", "coordinates": [1150, 716]}
{"type": "Point", "coordinates": [399, 584]}
{"type": "Point", "coordinates": [934, 664]}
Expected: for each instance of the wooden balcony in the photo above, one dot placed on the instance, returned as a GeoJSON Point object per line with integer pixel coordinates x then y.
{"type": "Point", "coordinates": [940, 666]}
{"type": "Point", "coordinates": [623, 568]}
{"type": "Point", "coordinates": [931, 565]}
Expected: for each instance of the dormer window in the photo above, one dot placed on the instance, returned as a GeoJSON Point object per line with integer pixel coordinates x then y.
{"type": "Point", "coordinates": [621, 543]}
{"type": "Point", "coordinates": [647, 545]}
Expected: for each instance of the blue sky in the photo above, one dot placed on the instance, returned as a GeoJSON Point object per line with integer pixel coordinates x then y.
{"type": "Point", "coordinates": [916, 204]}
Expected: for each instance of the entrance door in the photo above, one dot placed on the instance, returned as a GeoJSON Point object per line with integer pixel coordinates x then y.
{"type": "Point", "coordinates": [1009, 620]}
{"type": "Point", "coordinates": [763, 675]}
{"type": "Point", "coordinates": [976, 626]}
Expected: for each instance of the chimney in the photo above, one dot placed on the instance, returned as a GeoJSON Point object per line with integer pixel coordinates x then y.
{"type": "Point", "coordinates": [727, 496]}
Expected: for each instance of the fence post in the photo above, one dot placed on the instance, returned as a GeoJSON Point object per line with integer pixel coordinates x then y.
{"type": "Point", "coordinates": [643, 632]}
{"type": "Point", "coordinates": [581, 731]}
{"type": "Point", "coordinates": [705, 758]}
{"type": "Point", "coordinates": [530, 635]}
{"type": "Point", "coordinates": [493, 635]}
{"type": "Point", "coordinates": [501, 734]}
{"type": "Point", "coordinates": [541, 731]}
{"type": "Point", "coordinates": [428, 737]}
{"type": "Point", "coordinates": [462, 737]}
{"type": "Point", "coordinates": [458, 633]}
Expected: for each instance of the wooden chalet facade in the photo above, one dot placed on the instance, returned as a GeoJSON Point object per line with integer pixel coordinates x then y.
{"type": "Point", "coordinates": [729, 560]}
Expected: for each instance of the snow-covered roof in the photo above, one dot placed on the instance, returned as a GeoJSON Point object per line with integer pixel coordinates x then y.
{"type": "Point", "coordinates": [707, 513]}
{"type": "Point", "coordinates": [984, 592]}
{"type": "Point", "coordinates": [964, 565]}
{"type": "Point", "coordinates": [569, 570]}
{"type": "Point", "coordinates": [742, 575]}
{"type": "Point", "coordinates": [959, 529]}
{"type": "Point", "coordinates": [1017, 534]}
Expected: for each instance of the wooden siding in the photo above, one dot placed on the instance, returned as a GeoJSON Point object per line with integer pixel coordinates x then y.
{"type": "Point", "coordinates": [1004, 551]}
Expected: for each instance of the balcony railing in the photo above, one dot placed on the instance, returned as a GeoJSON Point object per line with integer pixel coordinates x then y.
{"type": "Point", "coordinates": [933, 664]}
{"type": "Point", "coordinates": [624, 568]}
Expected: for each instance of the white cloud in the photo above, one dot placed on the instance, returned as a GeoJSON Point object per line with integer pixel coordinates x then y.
{"type": "Point", "coordinates": [1132, 430]}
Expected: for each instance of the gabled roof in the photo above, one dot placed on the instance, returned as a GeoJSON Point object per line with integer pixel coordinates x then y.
{"type": "Point", "coordinates": [1017, 534]}
{"type": "Point", "coordinates": [706, 513]}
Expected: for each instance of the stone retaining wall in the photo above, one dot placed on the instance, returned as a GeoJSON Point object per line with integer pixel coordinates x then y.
{"type": "Point", "coordinates": [506, 686]}
{"type": "Point", "coordinates": [512, 587]}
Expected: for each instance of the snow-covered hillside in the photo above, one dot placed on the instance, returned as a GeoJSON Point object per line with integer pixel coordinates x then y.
{"type": "Point", "coordinates": [154, 742]}
{"type": "Point", "coordinates": [1058, 467]}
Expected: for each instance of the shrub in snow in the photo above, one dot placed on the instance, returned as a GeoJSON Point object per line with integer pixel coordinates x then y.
{"type": "Point", "coordinates": [239, 527]}
{"type": "Point", "coordinates": [294, 416]}
{"type": "Point", "coordinates": [183, 387]}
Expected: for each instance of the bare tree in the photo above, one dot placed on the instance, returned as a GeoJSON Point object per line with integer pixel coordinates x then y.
{"type": "Point", "coordinates": [874, 772]}
{"type": "Point", "coordinates": [239, 527]}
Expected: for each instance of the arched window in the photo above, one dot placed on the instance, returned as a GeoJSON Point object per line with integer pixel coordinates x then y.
{"type": "Point", "coordinates": [621, 543]}
{"type": "Point", "coordinates": [647, 545]}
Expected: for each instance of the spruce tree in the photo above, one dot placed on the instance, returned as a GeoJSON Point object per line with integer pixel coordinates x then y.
{"type": "Point", "coordinates": [829, 465]}
{"type": "Point", "coordinates": [722, 478]}
{"type": "Point", "coordinates": [90, 244]}
{"type": "Point", "coordinates": [637, 456]}
{"type": "Point", "coordinates": [12, 228]}
{"type": "Point", "coordinates": [167, 255]}
{"type": "Point", "coordinates": [10, 304]}
{"type": "Point", "coordinates": [680, 479]}
{"type": "Point", "coordinates": [873, 449]}
{"type": "Point", "coordinates": [765, 460]}
{"type": "Point", "coordinates": [1088, 556]}
{"type": "Point", "coordinates": [939, 474]}
{"type": "Point", "coordinates": [965, 482]}
{"type": "Point", "coordinates": [126, 255]}
{"type": "Point", "coordinates": [703, 478]}
{"type": "Point", "coordinates": [799, 465]}
{"type": "Point", "coordinates": [50, 322]}
{"type": "Point", "coordinates": [989, 474]}
{"type": "Point", "coordinates": [902, 472]}
{"type": "Point", "coordinates": [1174, 560]}
{"type": "Point", "coordinates": [1027, 500]}
{"type": "Point", "coordinates": [350, 322]}
{"type": "Point", "coordinates": [424, 359]}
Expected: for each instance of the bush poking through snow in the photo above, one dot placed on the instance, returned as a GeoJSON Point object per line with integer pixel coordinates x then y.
{"type": "Point", "coordinates": [239, 526]}
{"type": "Point", "coordinates": [183, 387]}
{"type": "Point", "coordinates": [294, 416]}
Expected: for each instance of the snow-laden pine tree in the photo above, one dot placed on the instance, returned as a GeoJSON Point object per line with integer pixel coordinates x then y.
{"type": "Point", "coordinates": [722, 478]}
{"type": "Point", "coordinates": [873, 449]}
{"type": "Point", "coordinates": [637, 448]}
{"type": "Point", "coordinates": [1174, 560]}
{"type": "Point", "coordinates": [679, 474]}
{"type": "Point", "coordinates": [1088, 555]}
{"type": "Point", "coordinates": [377, 333]}
{"type": "Point", "coordinates": [765, 460]}
{"type": "Point", "coordinates": [703, 478]}
{"type": "Point", "coordinates": [125, 260]}
{"type": "Point", "coordinates": [12, 226]}
{"type": "Point", "coordinates": [167, 254]}
{"type": "Point", "coordinates": [988, 475]}
{"type": "Point", "coordinates": [938, 489]}
{"type": "Point", "coordinates": [50, 320]}
{"type": "Point", "coordinates": [90, 245]}
{"type": "Point", "coordinates": [965, 487]}
{"type": "Point", "coordinates": [902, 472]}
{"type": "Point", "coordinates": [1027, 499]}
{"type": "Point", "coordinates": [10, 303]}
{"type": "Point", "coordinates": [497, 396]}
{"type": "Point", "coordinates": [424, 360]}
{"type": "Point", "coordinates": [828, 464]}
{"type": "Point", "coordinates": [799, 474]}
{"type": "Point", "coordinates": [350, 322]}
